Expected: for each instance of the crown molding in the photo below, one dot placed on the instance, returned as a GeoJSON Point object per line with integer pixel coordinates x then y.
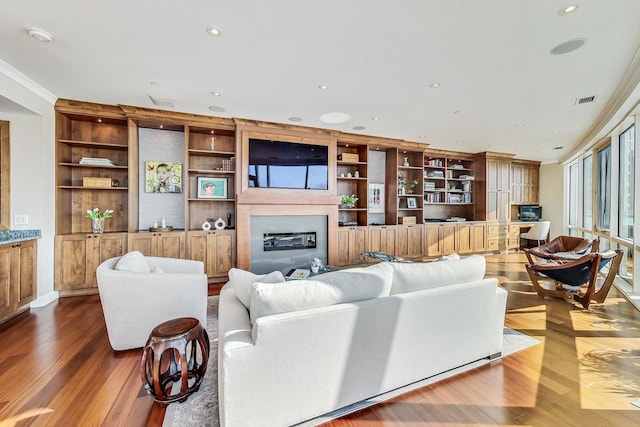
{"type": "Point", "coordinates": [25, 81]}
{"type": "Point", "coordinates": [620, 96]}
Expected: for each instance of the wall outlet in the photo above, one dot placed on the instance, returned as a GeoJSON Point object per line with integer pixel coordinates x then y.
{"type": "Point", "coordinates": [21, 219]}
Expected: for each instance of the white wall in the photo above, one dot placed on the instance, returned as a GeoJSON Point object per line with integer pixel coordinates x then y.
{"type": "Point", "coordinates": [551, 186]}
{"type": "Point", "coordinates": [32, 131]}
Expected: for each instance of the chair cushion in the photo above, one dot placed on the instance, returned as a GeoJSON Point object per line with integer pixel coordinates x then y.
{"type": "Point", "coordinates": [323, 290]}
{"type": "Point", "coordinates": [133, 261]}
{"type": "Point", "coordinates": [241, 281]}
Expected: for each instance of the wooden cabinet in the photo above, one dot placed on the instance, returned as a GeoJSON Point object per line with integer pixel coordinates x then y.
{"type": "Point", "coordinates": [91, 142]}
{"type": "Point", "coordinates": [210, 159]}
{"type": "Point", "coordinates": [18, 265]}
{"type": "Point", "coordinates": [478, 237]}
{"type": "Point", "coordinates": [217, 249]}
{"type": "Point", "coordinates": [441, 239]}
{"type": "Point", "coordinates": [168, 244]}
{"type": "Point", "coordinates": [410, 241]}
{"type": "Point", "coordinates": [352, 241]}
{"type": "Point", "coordinates": [382, 239]}
{"type": "Point", "coordinates": [514, 237]}
{"type": "Point", "coordinates": [409, 166]}
{"type": "Point", "coordinates": [525, 182]}
{"type": "Point", "coordinates": [79, 255]}
{"type": "Point", "coordinates": [352, 173]}
{"type": "Point", "coordinates": [493, 181]}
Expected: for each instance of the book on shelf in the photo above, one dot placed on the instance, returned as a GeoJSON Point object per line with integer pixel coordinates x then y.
{"type": "Point", "coordinates": [298, 273]}
{"type": "Point", "coordinates": [96, 161]}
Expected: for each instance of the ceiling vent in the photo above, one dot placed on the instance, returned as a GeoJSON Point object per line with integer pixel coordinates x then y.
{"type": "Point", "coordinates": [585, 100]}
{"type": "Point", "coordinates": [162, 102]}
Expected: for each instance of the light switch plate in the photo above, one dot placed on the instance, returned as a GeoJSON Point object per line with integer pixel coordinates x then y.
{"type": "Point", "coordinates": [21, 219]}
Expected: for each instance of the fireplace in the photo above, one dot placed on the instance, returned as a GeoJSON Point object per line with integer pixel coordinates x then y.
{"type": "Point", "coordinates": [287, 241]}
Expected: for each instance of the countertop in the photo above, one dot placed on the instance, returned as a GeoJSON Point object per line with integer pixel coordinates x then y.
{"type": "Point", "coordinates": [12, 236]}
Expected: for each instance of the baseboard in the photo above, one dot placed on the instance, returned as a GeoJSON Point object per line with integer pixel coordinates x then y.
{"type": "Point", "coordinates": [43, 300]}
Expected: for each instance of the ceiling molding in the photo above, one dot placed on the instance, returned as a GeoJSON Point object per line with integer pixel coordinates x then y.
{"type": "Point", "coordinates": [25, 81]}
{"type": "Point", "coordinates": [628, 84]}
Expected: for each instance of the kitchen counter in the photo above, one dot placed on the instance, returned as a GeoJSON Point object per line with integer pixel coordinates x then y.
{"type": "Point", "coordinates": [12, 236]}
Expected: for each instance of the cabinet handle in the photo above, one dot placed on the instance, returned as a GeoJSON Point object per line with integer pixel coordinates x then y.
{"type": "Point", "coordinates": [17, 245]}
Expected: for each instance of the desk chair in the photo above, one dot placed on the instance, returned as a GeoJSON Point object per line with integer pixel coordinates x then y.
{"type": "Point", "coordinates": [538, 232]}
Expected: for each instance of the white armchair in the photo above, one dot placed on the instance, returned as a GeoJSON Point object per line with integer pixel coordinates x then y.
{"type": "Point", "coordinates": [134, 303]}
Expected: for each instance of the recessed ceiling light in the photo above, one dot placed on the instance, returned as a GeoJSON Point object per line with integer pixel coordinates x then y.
{"type": "Point", "coordinates": [295, 119]}
{"type": "Point", "coordinates": [99, 120]}
{"type": "Point", "coordinates": [422, 136]}
{"type": "Point", "coordinates": [323, 87]}
{"type": "Point", "coordinates": [556, 131]}
{"type": "Point", "coordinates": [213, 31]}
{"type": "Point", "coordinates": [335, 117]}
{"type": "Point", "coordinates": [567, 47]}
{"type": "Point", "coordinates": [359, 128]}
{"type": "Point", "coordinates": [456, 112]}
{"type": "Point", "coordinates": [558, 148]}
{"type": "Point", "coordinates": [217, 109]}
{"type": "Point", "coordinates": [213, 131]}
{"type": "Point", "coordinates": [375, 118]}
{"type": "Point", "coordinates": [154, 83]}
{"type": "Point", "coordinates": [216, 94]}
{"type": "Point", "coordinates": [434, 85]}
{"type": "Point", "coordinates": [40, 35]}
{"type": "Point", "coordinates": [567, 10]}
{"type": "Point", "coordinates": [459, 141]}
{"type": "Point", "coordinates": [519, 125]}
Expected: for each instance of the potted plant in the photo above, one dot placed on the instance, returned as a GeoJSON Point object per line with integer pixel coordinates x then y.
{"type": "Point", "coordinates": [348, 201]}
{"type": "Point", "coordinates": [410, 185]}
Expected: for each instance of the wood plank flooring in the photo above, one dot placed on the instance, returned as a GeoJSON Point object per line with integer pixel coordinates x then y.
{"type": "Point", "coordinates": [56, 368]}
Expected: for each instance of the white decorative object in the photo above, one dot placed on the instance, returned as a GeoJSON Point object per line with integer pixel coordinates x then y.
{"type": "Point", "coordinates": [206, 225]}
{"type": "Point", "coordinates": [164, 223]}
{"type": "Point", "coordinates": [219, 224]}
{"type": "Point", "coordinates": [406, 162]}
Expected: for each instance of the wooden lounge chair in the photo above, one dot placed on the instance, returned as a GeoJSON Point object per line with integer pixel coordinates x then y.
{"type": "Point", "coordinates": [562, 244]}
{"type": "Point", "coordinates": [570, 277]}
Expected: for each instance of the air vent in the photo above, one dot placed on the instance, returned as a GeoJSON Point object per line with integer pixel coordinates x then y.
{"type": "Point", "coordinates": [162, 102]}
{"type": "Point", "coordinates": [585, 100]}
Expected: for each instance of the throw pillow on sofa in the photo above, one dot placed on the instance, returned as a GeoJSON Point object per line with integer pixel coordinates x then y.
{"type": "Point", "coordinates": [133, 261]}
{"type": "Point", "coordinates": [241, 281]}
{"type": "Point", "coordinates": [323, 290]}
{"type": "Point", "coordinates": [410, 277]}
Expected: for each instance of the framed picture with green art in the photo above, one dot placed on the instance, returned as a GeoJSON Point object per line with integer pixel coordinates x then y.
{"type": "Point", "coordinates": [212, 188]}
{"type": "Point", "coordinates": [163, 177]}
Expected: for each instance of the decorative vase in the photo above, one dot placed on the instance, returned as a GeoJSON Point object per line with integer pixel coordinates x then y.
{"type": "Point", "coordinates": [97, 225]}
{"type": "Point", "coordinates": [348, 205]}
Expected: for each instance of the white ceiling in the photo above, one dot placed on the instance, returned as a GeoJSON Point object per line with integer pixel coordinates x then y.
{"type": "Point", "coordinates": [377, 57]}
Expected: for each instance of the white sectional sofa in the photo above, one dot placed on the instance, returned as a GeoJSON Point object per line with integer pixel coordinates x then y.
{"type": "Point", "coordinates": [291, 351]}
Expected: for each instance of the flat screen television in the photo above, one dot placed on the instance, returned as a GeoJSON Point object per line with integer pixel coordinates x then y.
{"type": "Point", "coordinates": [530, 213]}
{"type": "Point", "coordinates": [279, 164]}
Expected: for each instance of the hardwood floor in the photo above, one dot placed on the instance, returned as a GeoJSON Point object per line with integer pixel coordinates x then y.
{"type": "Point", "coordinates": [57, 368]}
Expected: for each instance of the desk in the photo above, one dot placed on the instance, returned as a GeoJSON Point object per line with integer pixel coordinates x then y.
{"type": "Point", "coordinates": [520, 227]}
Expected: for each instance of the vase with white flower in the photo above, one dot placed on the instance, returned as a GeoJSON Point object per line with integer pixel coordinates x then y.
{"type": "Point", "coordinates": [97, 219]}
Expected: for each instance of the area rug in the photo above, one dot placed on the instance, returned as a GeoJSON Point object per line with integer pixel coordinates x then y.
{"type": "Point", "coordinates": [201, 408]}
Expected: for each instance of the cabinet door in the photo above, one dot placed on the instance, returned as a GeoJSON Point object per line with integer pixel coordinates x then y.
{"type": "Point", "coordinates": [223, 243]}
{"type": "Point", "coordinates": [478, 237]}
{"type": "Point", "coordinates": [26, 284]}
{"type": "Point", "coordinates": [503, 206]}
{"type": "Point", "coordinates": [5, 281]}
{"type": "Point", "coordinates": [145, 243]}
{"type": "Point", "coordinates": [449, 245]}
{"type": "Point", "coordinates": [343, 246]}
{"type": "Point", "coordinates": [197, 250]}
{"type": "Point", "coordinates": [433, 240]}
{"type": "Point", "coordinates": [72, 255]}
{"type": "Point", "coordinates": [464, 238]}
{"type": "Point", "coordinates": [170, 244]}
{"type": "Point", "coordinates": [376, 240]}
{"type": "Point", "coordinates": [359, 240]}
{"type": "Point", "coordinates": [416, 241]}
{"type": "Point", "coordinates": [103, 247]}
{"type": "Point", "coordinates": [403, 242]}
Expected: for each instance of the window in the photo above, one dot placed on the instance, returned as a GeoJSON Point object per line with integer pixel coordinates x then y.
{"type": "Point", "coordinates": [587, 187]}
{"type": "Point", "coordinates": [625, 185]}
{"type": "Point", "coordinates": [603, 189]}
{"type": "Point", "coordinates": [573, 194]}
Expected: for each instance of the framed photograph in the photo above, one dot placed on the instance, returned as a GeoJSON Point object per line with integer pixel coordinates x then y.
{"type": "Point", "coordinates": [212, 188]}
{"type": "Point", "coordinates": [412, 203]}
{"type": "Point", "coordinates": [163, 177]}
{"type": "Point", "coordinates": [376, 198]}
